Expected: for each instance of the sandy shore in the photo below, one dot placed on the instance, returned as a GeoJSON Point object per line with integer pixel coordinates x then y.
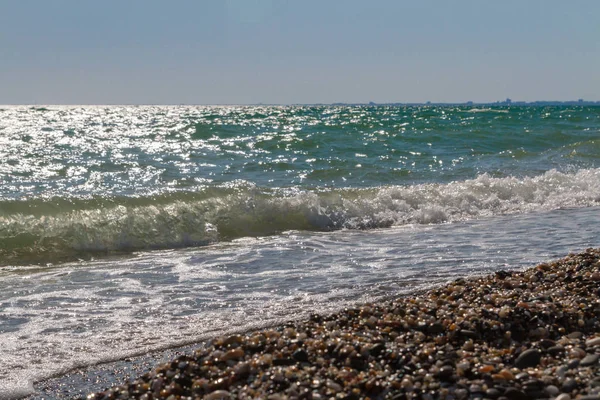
{"type": "Point", "coordinates": [512, 335]}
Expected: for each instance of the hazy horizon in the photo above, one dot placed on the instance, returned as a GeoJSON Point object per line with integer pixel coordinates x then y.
{"type": "Point", "coordinates": [498, 102]}
{"type": "Point", "coordinates": [281, 52]}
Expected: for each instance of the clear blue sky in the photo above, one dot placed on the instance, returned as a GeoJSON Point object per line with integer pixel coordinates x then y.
{"type": "Point", "coordinates": [308, 51]}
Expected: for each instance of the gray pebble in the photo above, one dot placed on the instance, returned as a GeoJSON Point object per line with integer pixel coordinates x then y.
{"type": "Point", "coordinates": [590, 359]}
{"type": "Point", "coordinates": [568, 385]}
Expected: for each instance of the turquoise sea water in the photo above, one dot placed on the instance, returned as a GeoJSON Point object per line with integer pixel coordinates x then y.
{"type": "Point", "coordinates": [126, 229]}
{"type": "Point", "coordinates": [85, 181]}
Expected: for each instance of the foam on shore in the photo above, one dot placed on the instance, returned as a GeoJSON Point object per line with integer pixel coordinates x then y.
{"type": "Point", "coordinates": [531, 334]}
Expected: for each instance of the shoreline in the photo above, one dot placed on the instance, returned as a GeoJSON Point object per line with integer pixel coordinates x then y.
{"type": "Point", "coordinates": [510, 335]}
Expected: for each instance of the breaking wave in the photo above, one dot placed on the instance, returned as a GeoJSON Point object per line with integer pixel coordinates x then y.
{"type": "Point", "coordinates": [60, 229]}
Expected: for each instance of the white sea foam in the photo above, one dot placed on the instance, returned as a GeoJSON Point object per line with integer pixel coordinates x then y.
{"type": "Point", "coordinates": [481, 197]}
{"type": "Point", "coordinates": [481, 110]}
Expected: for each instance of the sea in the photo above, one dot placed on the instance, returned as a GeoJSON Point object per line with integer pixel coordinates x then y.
{"type": "Point", "coordinates": [126, 230]}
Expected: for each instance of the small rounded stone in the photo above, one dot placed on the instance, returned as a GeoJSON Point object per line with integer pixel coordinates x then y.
{"type": "Point", "coordinates": [528, 358]}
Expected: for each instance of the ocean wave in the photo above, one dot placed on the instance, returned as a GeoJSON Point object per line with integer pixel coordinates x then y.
{"type": "Point", "coordinates": [55, 230]}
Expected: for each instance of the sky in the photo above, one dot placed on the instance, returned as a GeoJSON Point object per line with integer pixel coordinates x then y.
{"type": "Point", "coordinates": [290, 52]}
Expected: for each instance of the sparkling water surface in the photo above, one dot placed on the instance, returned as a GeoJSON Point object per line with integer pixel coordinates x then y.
{"type": "Point", "coordinates": [128, 229]}
{"type": "Point", "coordinates": [141, 150]}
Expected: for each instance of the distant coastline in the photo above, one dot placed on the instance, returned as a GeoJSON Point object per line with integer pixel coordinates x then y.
{"type": "Point", "coordinates": [507, 102]}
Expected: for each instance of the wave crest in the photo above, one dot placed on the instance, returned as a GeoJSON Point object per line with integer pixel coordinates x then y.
{"type": "Point", "coordinates": [60, 230]}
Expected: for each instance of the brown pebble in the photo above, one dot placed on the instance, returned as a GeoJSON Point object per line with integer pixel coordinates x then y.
{"type": "Point", "coordinates": [485, 369]}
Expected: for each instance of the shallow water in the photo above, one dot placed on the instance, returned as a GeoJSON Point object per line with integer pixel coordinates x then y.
{"type": "Point", "coordinates": [78, 314]}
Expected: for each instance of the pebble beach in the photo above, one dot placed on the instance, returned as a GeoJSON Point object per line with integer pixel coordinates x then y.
{"type": "Point", "coordinates": [530, 334]}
